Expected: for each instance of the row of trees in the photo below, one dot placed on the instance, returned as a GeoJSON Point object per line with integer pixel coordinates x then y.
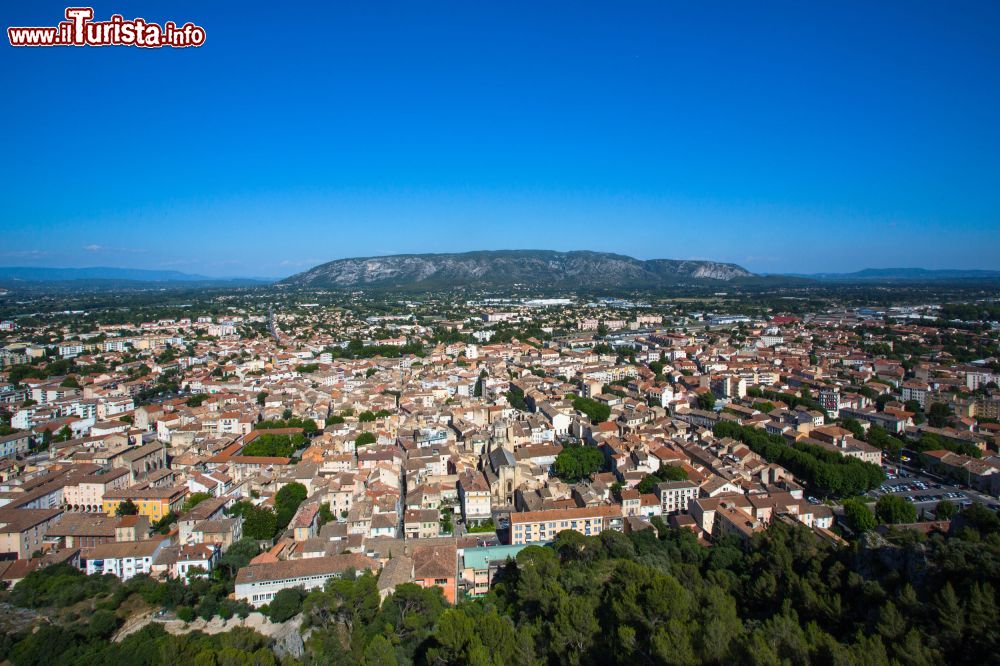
{"type": "Point", "coordinates": [596, 411]}
{"type": "Point", "coordinates": [930, 442]}
{"type": "Point", "coordinates": [826, 472]}
{"type": "Point", "coordinates": [43, 370]}
{"type": "Point", "coordinates": [369, 416]}
{"type": "Point", "coordinates": [357, 349]}
{"type": "Point", "coordinates": [274, 445]}
{"type": "Point", "coordinates": [789, 399]}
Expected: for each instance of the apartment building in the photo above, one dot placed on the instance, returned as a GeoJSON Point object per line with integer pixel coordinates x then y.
{"type": "Point", "coordinates": [86, 493]}
{"type": "Point", "coordinates": [125, 559]}
{"type": "Point", "coordinates": [675, 496]}
{"type": "Point", "coordinates": [540, 526]}
{"type": "Point", "coordinates": [23, 530]}
{"type": "Point", "coordinates": [421, 523]}
{"type": "Point", "coordinates": [14, 444]}
{"type": "Point", "coordinates": [915, 390]}
{"type": "Point", "coordinates": [474, 494]}
{"type": "Point", "coordinates": [154, 503]}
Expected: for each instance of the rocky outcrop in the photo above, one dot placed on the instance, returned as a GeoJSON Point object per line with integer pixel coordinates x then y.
{"type": "Point", "coordinates": [508, 267]}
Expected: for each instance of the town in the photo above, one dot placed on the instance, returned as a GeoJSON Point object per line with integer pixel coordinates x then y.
{"type": "Point", "coordinates": [501, 334]}
{"type": "Point", "coordinates": [431, 443]}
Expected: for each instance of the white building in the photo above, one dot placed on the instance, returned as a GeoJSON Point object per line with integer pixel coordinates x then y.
{"type": "Point", "coordinates": [675, 495]}
{"type": "Point", "coordinates": [123, 559]}
{"type": "Point", "coordinates": [257, 584]}
{"type": "Point", "coordinates": [14, 444]}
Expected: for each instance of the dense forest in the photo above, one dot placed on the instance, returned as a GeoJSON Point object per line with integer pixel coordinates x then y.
{"type": "Point", "coordinates": [652, 597]}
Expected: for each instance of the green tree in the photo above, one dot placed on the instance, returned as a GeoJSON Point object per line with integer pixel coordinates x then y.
{"type": "Point", "coordinates": [238, 555]}
{"type": "Point", "coordinates": [194, 499]}
{"type": "Point", "coordinates": [914, 408]}
{"type": "Point", "coordinates": [286, 604]}
{"type": "Point", "coordinates": [409, 615]}
{"type": "Point", "coordinates": [380, 653]}
{"type": "Point", "coordinates": [877, 436]}
{"type": "Point", "coordinates": [598, 412]}
{"type": "Point", "coordinates": [945, 510]}
{"type": "Point", "coordinates": [102, 624]}
{"type": "Point", "coordinates": [854, 426]}
{"type": "Point", "coordinates": [126, 508]}
{"type": "Point", "coordinates": [286, 503]}
{"type": "Point", "coordinates": [365, 438]}
{"type": "Point", "coordinates": [894, 510]}
{"type": "Point", "coordinates": [274, 445]}
{"type": "Point", "coordinates": [577, 462]}
{"type": "Point", "coordinates": [162, 526]}
{"type": "Point", "coordinates": [939, 415]}
{"type": "Point", "coordinates": [664, 473]}
{"type": "Point", "coordinates": [346, 605]}
{"type": "Point", "coordinates": [455, 640]}
{"type": "Point", "coordinates": [196, 400]}
{"type": "Point", "coordinates": [858, 516]}
{"type": "Point", "coordinates": [259, 523]}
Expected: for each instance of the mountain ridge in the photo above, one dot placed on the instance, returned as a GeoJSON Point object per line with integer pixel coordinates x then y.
{"type": "Point", "coordinates": [549, 267]}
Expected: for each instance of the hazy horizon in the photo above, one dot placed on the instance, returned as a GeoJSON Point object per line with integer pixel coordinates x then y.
{"type": "Point", "coordinates": [195, 273]}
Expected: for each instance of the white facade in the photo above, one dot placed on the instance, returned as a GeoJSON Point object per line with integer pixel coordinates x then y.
{"type": "Point", "coordinates": [675, 496]}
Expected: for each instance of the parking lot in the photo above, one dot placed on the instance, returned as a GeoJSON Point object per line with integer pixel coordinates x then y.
{"type": "Point", "coordinates": [925, 491]}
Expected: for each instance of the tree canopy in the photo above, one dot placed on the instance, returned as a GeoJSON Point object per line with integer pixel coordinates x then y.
{"type": "Point", "coordinates": [274, 445]}
{"type": "Point", "coordinates": [664, 473]}
{"type": "Point", "coordinates": [577, 462]}
{"type": "Point", "coordinates": [650, 597]}
{"type": "Point", "coordinates": [894, 510]}
{"type": "Point", "coordinates": [596, 411]}
{"type": "Point", "coordinates": [858, 516]}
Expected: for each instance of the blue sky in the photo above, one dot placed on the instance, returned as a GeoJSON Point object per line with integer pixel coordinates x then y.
{"type": "Point", "coordinates": [784, 136]}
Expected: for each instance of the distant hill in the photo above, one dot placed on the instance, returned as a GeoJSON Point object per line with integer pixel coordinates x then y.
{"type": "Point", "coordinates": [505, 267]}
{"type": "Point", "coordinates": [101, 277]}
{"type": "Point", "coordinates": [904, 275]}
{"type": "Point", "coordinates": [46, 274]}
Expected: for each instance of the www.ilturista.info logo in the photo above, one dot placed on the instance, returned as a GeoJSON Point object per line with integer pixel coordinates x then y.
{"type": "Point", "coordinates": [79, 29]}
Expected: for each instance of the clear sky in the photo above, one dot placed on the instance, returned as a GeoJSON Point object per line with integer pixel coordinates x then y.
{"type": "Point", "coordinates": [784, 136]}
